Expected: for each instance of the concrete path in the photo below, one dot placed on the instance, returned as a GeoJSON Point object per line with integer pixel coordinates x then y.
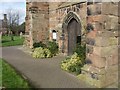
{"type": "Point", "coordinates": [43, 73]}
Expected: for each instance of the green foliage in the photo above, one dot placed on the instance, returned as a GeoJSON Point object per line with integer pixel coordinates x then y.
{"type": "Point", "coordinates": [76, 61]}
{"type": "Point", "coordinates": [11, 79]}
{"type": "Point", "coordinates": [73, 64]}
{"type": "Point", "coordinates": [6, 41]}
{"type": "Point", "coordinates": [39, 44]}
{"type": "Point", "coordinates": [47, 52]}
{"type": "Point", "coordinates": [42, 53]}
{"type": "Point", "coordinates": [21, 28]}
{"type": "Point", "coordinates": [38, 53]}
{"type": "Point", "coordinates": [53, 47]}
{"type": "Point", "coordinates": [81, 51]}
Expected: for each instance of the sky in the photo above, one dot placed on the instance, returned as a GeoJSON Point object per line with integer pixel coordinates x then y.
{"type": "Point", "coordinates": [15, 5]}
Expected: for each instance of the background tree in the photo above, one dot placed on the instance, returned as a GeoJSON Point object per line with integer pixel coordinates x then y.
{"type": "Point", "coordinates": [21, 28]}
{"type": "Point", "coordinates": [13, 22]}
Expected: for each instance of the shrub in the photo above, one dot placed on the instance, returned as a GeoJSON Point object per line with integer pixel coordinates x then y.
{"type": "Point", "coordinates": [39, 44]}
{"type": "Point", "coordinates": [42, 53]}
{"type": "Point", "coordinates": [47, 52]}
{"type": "Point", "coordinates": [53, 47]}
{"type": "Point", "coordinates": [38, 53]}
{"type": "Point", "coordinates": [81, 51]}
{"type": "Point", "coordinates": [76, 61]}
{"type": "Point", "coordinates": [73, 64]}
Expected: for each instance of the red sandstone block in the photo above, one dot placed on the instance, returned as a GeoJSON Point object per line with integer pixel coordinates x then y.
{"type": "Point", "coordinates": [97, 61]}
{"type": "Point", "coordinates": [96, 18]}
{"type": "Point", "coordinates": [112, 59]}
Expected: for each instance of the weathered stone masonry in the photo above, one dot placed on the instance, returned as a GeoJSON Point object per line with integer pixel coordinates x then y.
{"type": "Point", "coordinates": [102, 44]}
{"type": "Point", "coordinates": [37, 22]}
{"type": "Point", "coordinates": [60, 18]}
{"type": "Point", "coordinates": [98, 26]}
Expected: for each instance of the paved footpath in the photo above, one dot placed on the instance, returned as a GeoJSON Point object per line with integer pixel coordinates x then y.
{"type": "Point", "coordinates": [43, 73]}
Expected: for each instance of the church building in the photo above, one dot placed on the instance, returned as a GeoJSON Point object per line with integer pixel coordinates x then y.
{"type": "Point", "coordinates": [69, 23]}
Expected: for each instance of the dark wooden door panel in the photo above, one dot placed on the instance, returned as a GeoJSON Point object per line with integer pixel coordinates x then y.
{"type": "Point", "coordinates": [72, 36]}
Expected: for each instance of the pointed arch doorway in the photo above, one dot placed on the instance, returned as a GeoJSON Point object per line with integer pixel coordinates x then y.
{"type": "Point", "coordinates": [72, 33]}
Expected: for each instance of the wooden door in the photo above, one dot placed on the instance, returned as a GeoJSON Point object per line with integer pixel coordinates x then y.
{"type": "Point", "coordinates": [73, 32]}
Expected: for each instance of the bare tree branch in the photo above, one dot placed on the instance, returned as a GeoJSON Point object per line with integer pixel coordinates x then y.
{"type": "Point", "coordinates": [13, 20]}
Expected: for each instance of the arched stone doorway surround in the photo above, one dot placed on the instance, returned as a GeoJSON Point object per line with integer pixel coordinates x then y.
{"type": "Point", "coordinates": [71, 29]}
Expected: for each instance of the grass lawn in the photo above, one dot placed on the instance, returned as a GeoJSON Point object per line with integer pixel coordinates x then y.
{"type": "Point", "coordinates": [6, 41]}
{"type": "Point", "coordinates": [11, 79]}
{"type": "Point", "coordinates": [0, 73]}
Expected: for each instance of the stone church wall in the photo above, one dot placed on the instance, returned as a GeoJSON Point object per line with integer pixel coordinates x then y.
{"type": "Point", "coordinates": [102, 44]}
{"type": "Point", "coordinates": [37, 23]}
{"type": "Point", "coordinates": [58, 14]}
{"type": "Point", "coordinates": [99, 30]}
